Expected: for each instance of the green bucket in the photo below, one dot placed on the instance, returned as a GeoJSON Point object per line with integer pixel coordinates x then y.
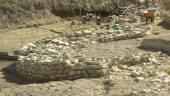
{"type": "Point", "coordinates": [115, 26]}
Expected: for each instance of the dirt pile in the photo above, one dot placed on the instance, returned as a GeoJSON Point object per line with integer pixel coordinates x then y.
{"type": "Point", "coordinates": [24, 13]}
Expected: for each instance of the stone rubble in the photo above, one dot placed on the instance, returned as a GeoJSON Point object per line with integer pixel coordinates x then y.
{"type": "Point", "coordinates": [143, 68]}
{"type": "Point", "coordinates": [48, 59]}
{"type": "Point", "coordinates": [138, 59]}
{"type": "Point", "coordinates": [50, 64]}
{"type": "Point", "coordinates": [137, 68]}
{"type": "Point", "coordinates": [127, 32]}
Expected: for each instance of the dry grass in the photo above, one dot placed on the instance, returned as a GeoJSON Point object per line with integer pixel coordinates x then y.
{"type": "Point", "coordinates": [68, 4]}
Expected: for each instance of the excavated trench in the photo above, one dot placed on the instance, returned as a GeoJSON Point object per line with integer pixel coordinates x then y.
{"type": "Point", "coordinates": [78, 12]}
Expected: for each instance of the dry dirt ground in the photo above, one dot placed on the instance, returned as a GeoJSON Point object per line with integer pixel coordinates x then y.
{"type": "Point", "coordinates": [14, 39]}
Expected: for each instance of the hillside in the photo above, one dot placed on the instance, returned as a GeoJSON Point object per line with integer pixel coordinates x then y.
{"type": "Point", "coordinates": [26, 13]}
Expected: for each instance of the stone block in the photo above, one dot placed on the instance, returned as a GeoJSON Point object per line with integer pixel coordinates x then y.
{"type": "Point", "coordinates": [71, 73]}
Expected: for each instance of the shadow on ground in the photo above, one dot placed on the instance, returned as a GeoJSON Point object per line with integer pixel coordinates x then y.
{"type": "Point", "coordinates": [154, 50]}
{"type": "Point", "coordinates": [163, 24]}
{"type": "Point", "coordinates": [10, 75]}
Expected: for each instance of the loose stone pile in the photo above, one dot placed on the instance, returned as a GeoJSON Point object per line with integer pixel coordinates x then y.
{"type": "Point", "coordinates": [165, 15]}
{"type": "Point", "coordinates": [127, 32]}
{"type": "Point", "coordinates": [138, 59]}
{"type": "Point", "coordinates": [77, 39]}
{"type": "Point", "coordinates": [147, 68]}
{"type": "Point", "coordinates": [82, 38]}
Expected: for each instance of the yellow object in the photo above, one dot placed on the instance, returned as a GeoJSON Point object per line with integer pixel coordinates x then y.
{"type": "Point", "coordinates": [149, 14]}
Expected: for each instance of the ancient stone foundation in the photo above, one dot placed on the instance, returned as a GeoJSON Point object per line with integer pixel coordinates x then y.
{"type": "Point", "coordinates": [111, 38]}
{"type": "Point", "coordinates": [51, 59]}
{"type": "Point", "coordinates": [59, 69]}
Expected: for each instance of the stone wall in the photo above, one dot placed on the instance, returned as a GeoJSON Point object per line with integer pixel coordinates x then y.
{"type": "Point", "coordinates": [125, 32]}
{"type": "Point", "coordinates": [132, 60]}
{"type": "Point", "coordinates": [119, 37]}
{"type": "Point", "coordinates": [59, 70]}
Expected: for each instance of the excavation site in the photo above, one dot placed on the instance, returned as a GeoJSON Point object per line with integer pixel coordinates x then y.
{"type": "Point", "coordinates": [84, 47]}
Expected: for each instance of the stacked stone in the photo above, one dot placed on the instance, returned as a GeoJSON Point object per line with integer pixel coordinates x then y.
{"type": "Point", "coordinates": [61, 68]}
{"type": "Point", "coordinates": [112, 36]}
{"type": "Point", "coordinates": [126, 31]}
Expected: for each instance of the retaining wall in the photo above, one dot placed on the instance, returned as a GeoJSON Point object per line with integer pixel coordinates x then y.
{"type": "Point", "coordinates": [56, 70]}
